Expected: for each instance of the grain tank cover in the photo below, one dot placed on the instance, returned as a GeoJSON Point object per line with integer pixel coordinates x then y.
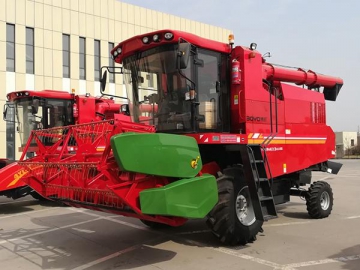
{"type": "Point", "coordinates": [157, 154]}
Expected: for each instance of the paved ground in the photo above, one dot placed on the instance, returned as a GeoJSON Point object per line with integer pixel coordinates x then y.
{"type": "Point", "coordinates": [34, 236]}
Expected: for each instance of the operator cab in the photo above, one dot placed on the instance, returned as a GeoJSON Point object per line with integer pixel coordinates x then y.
{"type": "Point", "coordinates": [37, 112]}
{"type": "Point", "coordinates": [178, 88]}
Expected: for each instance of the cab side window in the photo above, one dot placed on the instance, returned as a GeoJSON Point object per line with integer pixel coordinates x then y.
{"type": "Point", "coordinates": [208, 76]}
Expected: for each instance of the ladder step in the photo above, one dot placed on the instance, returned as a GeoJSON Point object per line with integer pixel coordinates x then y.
{"type": "Point", "coordinates": [257, 179]}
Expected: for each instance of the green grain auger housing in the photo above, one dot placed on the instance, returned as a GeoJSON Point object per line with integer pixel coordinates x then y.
{"type": "Point", "coordinates": [176, 157]}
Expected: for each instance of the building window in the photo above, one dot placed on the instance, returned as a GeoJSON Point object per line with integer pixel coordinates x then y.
{"type": "Point", "coordinates": [29, 50]}
{"type": "Point", "coordinates": [82, 60]}
{"type": "Point", "coordinates": [111, 64]}
{"type": "Point", "coordinates": [10, 47]}
{"type": "Point", "coordinates": [66, 56]}
{"type": "Point", "coordinates": [97, 60]}
{"type": "Point", "coordinates": [352, 142]}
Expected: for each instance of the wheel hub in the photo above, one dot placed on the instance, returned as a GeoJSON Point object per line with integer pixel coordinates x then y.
{"type": "Point", "coordinates": [324, 200]}
{"type": "Point", "coordinates": [244, 208]}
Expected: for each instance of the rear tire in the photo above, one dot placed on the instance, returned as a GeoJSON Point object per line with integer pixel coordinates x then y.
{"type": "Point", "coordinates": [319, 200]}
{"type": "Point", "coordinates": [232, 219]}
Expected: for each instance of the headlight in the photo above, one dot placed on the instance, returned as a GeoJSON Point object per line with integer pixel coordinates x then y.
{"type": "Point", "coordinates": [145, 40]}
{"type": "Point", "coordinates": [156, 38]}
{"type": "Point", "coordinates": [115, 54]}
{"type": "Point", "coordinates": [168, 36]}
{"type": "Point", "coordinates": [119, 50]}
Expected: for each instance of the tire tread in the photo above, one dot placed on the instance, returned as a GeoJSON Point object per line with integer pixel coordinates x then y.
{"type": "Point", "coordinates": [222, 219]}
{"type": "Point", "coordinates": [313, 200]}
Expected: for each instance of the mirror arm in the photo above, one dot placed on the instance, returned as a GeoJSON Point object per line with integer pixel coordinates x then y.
{"type": "Point", "coordinates": [113, 72]}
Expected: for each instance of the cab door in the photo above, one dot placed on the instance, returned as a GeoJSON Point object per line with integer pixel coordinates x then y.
{"type": "Point", "coordinates": [208, 94]}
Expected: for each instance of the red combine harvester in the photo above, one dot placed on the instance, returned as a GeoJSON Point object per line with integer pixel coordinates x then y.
{"type": "Point", "coordinates": [35, 110]}
{"type": "Point", "coordinates": [215, 132]}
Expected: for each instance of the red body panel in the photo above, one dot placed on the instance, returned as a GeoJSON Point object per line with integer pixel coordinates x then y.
{"type": "Point", "coordinates": [294, 118]}
{"type": "Point", "coordinates": [10, 176]}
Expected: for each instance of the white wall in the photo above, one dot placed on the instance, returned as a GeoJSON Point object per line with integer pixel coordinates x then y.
{"type": "Point", "coordinates": [105, 20]}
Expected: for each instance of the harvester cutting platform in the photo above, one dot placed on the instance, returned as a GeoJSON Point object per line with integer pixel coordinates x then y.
{"type": "Point", "coordinates": [209, 130]}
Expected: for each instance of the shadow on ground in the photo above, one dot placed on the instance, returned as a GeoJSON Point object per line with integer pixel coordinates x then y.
{"type": "Point", "coordinates": [75, 240]}
{"type": "Point", "coordinates": [17, 207]}
{"type": "Point", "coordinates": [349, 257]}
{"type": "Point", "coordinates": [89, 241]}
{"type": "Point", "coordinates": [288, 210]}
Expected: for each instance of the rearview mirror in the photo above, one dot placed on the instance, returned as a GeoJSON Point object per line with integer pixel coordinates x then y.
{"type": "Point", "coordinates": [103, 81]}
{"type": "Point", "coordinates": [5, 111]}
{"type": "Point", "coordinates": [183, 55]}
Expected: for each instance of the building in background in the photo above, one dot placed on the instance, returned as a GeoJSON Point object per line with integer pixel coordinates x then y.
{"type": "Point", "coordinates": [345, 141]}
{"type": "Point", "coordinates": [62, 44]}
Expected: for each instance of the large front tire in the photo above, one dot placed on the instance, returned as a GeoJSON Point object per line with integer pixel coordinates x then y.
{"type": "Point", "coordinates": [232, 219]}
{"type": "Point", "coordinates": [319, 200]}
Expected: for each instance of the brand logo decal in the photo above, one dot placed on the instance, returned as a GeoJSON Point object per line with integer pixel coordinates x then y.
{"type": "Point", "coordinates": [194, 162]}
{"type": "Point", "coordinates": [255, 119]}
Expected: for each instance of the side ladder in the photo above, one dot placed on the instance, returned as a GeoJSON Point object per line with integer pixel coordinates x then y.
{"type": "Point", "coordinates": [258, 182]}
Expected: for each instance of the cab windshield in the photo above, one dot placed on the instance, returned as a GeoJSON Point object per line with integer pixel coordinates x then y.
{"type": "Point", "coordinates": [33, 113]}
{"type": "Point", "coordinates": [158, 94]}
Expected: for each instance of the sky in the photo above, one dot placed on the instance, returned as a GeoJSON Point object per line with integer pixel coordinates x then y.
{"type": "Point", "coordinates": [320, 35]}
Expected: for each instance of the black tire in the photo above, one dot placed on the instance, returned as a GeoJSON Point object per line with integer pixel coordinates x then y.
{"type": "Point", "coordinates": [223, 219]}
{"type": "Point", "coordinates": [319, 200]}
{"type": "Point", "coordinates": [38, 197]}
{"type": "Point", "coordinates": [155, 225]}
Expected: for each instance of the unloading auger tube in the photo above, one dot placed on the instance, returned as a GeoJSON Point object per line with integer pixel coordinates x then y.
{"type": "Point", "coordinates": [332, 85]}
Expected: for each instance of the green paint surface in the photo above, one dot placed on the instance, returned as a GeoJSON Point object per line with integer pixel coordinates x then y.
{"type": "Point", "coordinates": [157, 154]}
{"type": "Point", "coordinates": [188, 198]}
